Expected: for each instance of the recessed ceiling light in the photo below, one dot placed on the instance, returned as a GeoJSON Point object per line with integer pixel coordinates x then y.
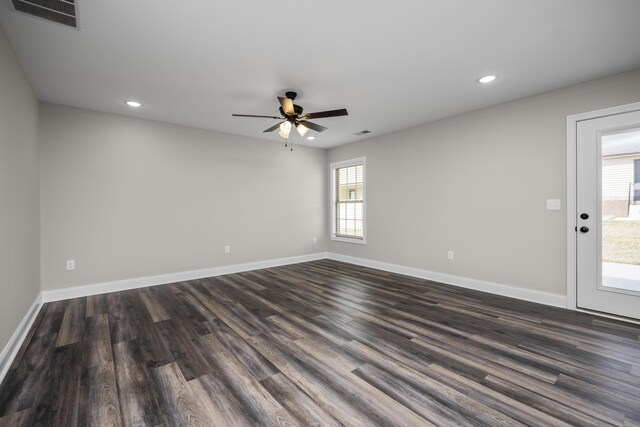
{"type": "Point", "coordinates": [134, 104]}
{"type": "Point", "coordinates": [311, 138]}
{"type": "Point", "coordinates": [487, 79]}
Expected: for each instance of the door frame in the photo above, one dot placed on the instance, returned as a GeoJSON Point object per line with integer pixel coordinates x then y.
{"type": "Point", "coordinates": [572, 144]}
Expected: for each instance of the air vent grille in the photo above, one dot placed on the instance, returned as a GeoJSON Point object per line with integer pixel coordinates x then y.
{"type": "Point", "coordinates": [59, 11]}
{"type": "Point", "coordinates": [363, 132]}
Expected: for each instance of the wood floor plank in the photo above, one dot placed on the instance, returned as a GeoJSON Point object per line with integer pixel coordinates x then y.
{"type": "Point", "coordinates": [58, 393]}
{"type": "Point", "coordinates": [257, 365]}
{"type": "Point", "coordinates": [178, 338]}
{"type": "Point", "coordinates": [411, 397]}
{"type": "Point", "coordinates": [98, 341]}
{"type": "Point", "coordinates": [233, 314]}
{"type": "Point", "coordinates": [600, 350]}
{"type": "Point", "coordinates": [178, 308]}
{"type": "Point", "coordinates": [591, 376]}
{"type": "Point", "coordinates": [377, 406]}
{"type": "Point", "coordinates": [73, 324]}
{"type": "Point", "coordinates": [139, 324]}
{"type": "Point", "coordinates": [180, 404]}
{"type": "Point", "coordinates": [195, 308]}
{"type": "Point", "coordinates": [137, 395]}
{"type": "Point", "coordinates": [220, 404]}
{"type": "Point", "coordinates": [328, 353]}
{"type": "Point", "coordinates": [440, 397]}
{"type": "Point", "coordinates": [118, 319]}
{"type": "Point", "coordinates": [339, 405]}
{"type": "Point", "coordinates": [629, 422]}
{"type": "Point", "coordinates": [320, 343]}
{"type": "Point", "coordinates": [52, 314]}
{"type": "Point", "coordinates": [502, 403]}
{"type": "Point", "coordinates": [318, 328]}
{"type": "Point", "coordinates": [552, 407]}
{"type": "Point", "coordinates": [154, 306]}
{"type": "Point", "coordinates": [540, 387]}
{"type": "Point", "coordinates": [17, 392]}
{"type": "Point", "coordinates": [404, 350]}
{"type": "Point", "coordinates": [103, 406]}
{"type": "Point", "coordinates": [297, 402]}
{"type": "Point", "coordinates": [96, 305]}
{"type": "Point", "coordinates": [16, 419]}
{"type": "Point", "coordinates": [618, 371]}
{"type": "Point", "coordinates": [256, 401]}
{"type": "Point", "coordinates": [626, 404]}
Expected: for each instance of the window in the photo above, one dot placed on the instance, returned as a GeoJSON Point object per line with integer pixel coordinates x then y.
{"type": "Point", "coordinates": [348, 201]}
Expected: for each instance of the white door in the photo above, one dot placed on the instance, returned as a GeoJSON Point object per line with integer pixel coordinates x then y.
{"type": "Point", "coordinates": [608, 214]}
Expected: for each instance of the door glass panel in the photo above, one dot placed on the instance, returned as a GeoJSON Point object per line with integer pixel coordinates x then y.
{"type": "Point", "coordinates": [621, 210]}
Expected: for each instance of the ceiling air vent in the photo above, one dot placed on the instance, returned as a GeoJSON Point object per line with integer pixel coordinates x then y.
{"type": "Point", "coordinates": [362, 132]}
{"type": "Point", "coordinates": [59, 11]}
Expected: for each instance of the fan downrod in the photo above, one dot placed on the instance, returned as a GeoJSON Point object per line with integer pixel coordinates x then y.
{"type": "Point", "coordinates": [291, 95]}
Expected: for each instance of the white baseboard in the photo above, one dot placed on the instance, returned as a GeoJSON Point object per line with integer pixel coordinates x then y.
{"type": "Point", "coordinates": [163, 279]}
{"type": "Point", "coordinates": [541, 297]}
{"type": "Point", "coordinates": [526, 294]}
{"type": "Point", "coordinates": [13, 346]}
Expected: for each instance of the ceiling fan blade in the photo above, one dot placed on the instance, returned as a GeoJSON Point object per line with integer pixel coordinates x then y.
{"type": "Point", "coordinates": [272, 128]}
{"type": "Point", "coordinates": [322, 114]}
{"type": "Point", "coordinates": [287, 106]}
{"type": "Point", "coordinates": [313, 126]}
{"type": "Point", "coordinates": [253, 115]}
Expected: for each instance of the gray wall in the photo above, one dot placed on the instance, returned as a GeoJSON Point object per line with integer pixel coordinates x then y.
{"type": "Point", "coordinates": [476, 184]}
{"type": "Point", "coordinates": [130, 198]}
{"type": "Point", "coordinates": [19, 193]}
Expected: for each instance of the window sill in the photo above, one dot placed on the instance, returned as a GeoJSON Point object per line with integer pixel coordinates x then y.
{"type": "Point", "coordinates": [362, 241]}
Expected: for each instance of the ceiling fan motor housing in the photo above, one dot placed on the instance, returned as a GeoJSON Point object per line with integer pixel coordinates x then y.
{"type": "Point", "coordinates": [298, 110]}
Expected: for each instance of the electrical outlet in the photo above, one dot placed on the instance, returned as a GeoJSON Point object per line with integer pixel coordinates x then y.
{"type": "Point", "coordinates": [71, 264]}
{"type": "Point", "coordinates": [315, 240]}
{"type": "Point", "coordinates": [227, 249]}
{"type": "Point", "coordinates": [450, 254]}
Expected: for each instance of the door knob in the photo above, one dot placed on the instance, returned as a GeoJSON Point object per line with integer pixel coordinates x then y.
{"type": "Point", "coordinates": [584, 216]}
{"type": "Point", "coordinates": [584, 229]}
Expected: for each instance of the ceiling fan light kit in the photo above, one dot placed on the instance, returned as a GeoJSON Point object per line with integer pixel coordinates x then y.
{"type": "Point", "coordinates": [293, 117]}
{"type": "Point", "coordinates": [302, 129]}
{"type": "Point", "coordinates": [285, 129]}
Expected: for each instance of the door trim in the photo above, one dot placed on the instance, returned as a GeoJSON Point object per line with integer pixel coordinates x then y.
{"type": "Point", "coordinates": [572, 143]}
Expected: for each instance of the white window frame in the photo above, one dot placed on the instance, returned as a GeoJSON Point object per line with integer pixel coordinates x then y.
{"type": "Point", "coordinates": [332, 202]}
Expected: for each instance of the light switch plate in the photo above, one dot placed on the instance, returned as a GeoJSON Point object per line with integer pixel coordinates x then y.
{"type": "Point", "coordinates": [553, 204]}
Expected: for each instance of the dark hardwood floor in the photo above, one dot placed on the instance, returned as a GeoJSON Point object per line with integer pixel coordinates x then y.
{"type": "Point", "coordinates": [320, 343]}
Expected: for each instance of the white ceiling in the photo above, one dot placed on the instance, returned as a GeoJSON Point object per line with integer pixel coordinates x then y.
{"type": "Point", "coordinates": [392, 64]}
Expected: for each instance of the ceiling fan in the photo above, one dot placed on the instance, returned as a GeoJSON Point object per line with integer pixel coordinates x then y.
{"type": "Point", "coordinates": [293, 117]}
